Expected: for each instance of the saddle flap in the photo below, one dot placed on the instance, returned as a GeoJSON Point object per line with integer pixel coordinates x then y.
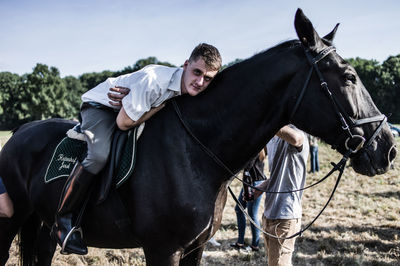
{"type": "Point", "coordinates": [121, 162]}
{"type": "Point", "coordinates": [119, 167]}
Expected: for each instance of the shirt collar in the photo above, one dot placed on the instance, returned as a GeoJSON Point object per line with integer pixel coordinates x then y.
{"type": "Point", "coordinates": [175, 83]}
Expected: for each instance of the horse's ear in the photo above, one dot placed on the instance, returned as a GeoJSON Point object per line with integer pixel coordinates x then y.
{"type": "Point", "coordinates": [330, 36]}
{"type": "Point", "coordinates": [305, 31]}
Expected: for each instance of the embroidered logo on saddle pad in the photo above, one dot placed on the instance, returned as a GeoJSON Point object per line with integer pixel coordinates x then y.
{"type": "Point", "coordinates": [74, 147]}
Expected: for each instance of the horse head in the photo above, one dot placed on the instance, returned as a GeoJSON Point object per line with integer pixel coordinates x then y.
{"type": "Point", "coordinates": [333, 90]}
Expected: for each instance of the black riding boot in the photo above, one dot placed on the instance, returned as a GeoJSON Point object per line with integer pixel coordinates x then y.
{"type": "Point", "coordinates": [65, 230]}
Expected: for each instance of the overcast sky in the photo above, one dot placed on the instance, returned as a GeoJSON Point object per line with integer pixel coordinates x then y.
{"type": "Point", "coordinates": [79, 36]}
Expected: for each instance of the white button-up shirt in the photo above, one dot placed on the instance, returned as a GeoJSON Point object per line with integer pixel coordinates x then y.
{"type": "Point", "coordinates": [149, 87]}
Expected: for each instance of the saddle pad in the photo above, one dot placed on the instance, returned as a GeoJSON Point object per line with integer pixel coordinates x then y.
{"type": "Point", "coordinates": [69, 150]}
{"type": "Point", "coordinates": [64, 157]}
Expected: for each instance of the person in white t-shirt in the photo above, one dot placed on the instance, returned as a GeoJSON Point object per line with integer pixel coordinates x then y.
{"type": "Point", "coordinates": [147, 90]}
{"type": "Point", "coordinates": [287, 155]}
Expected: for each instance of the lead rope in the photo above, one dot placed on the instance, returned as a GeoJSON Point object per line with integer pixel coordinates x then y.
{"type": "Point", "coordinates": [336, 167]}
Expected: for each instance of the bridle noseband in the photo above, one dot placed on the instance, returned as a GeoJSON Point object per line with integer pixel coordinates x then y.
{"type": "Point", "coordinates": [347, 123]}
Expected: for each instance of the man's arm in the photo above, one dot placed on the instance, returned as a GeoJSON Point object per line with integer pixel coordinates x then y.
{"type": "Point", "coordinates": [124, 122]}
{"type": "Point", "coordinates": [292, 136]}
{"type": "Point", "coordinates": [6, 206]}
{"type": "Point", "coordinates": [262, 155]}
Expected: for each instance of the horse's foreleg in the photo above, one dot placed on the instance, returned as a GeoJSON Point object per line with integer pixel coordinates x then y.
{"type": "Point", "coordinates": [193, 258]}
{"type": "Point", "coordinates": [45, 247]}
{"type": "Point", "coordinates": [157, 256]}
{"type": "Point", "coordinates": [8, 230]}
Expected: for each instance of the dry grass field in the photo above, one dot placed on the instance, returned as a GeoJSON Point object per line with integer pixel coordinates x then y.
{"type": "Point", "coordinates": [361, 226]}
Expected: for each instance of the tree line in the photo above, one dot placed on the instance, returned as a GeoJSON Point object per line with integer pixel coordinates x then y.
{"type": "Point", "coordinates": [44, 94]}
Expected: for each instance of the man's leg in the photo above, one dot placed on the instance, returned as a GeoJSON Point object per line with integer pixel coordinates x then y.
{"type": "Point", "coordinates": [98, 126]}
{"type": "Point", "coordinates": [241, 219]}
{"type": "Point", "coordinates": [312, 159]}
{"type": "Point", "coordinates": [316, 159]}
{"type": "Point", "coordinates": [280, 251]}
{"type": "Point", "coordinates": [266, 237]}
{"type": "Point", "coordinates": [252, 208]}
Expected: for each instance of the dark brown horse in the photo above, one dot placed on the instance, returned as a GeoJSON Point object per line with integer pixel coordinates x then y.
{"type": "Point", "coordinates": [173, 202]}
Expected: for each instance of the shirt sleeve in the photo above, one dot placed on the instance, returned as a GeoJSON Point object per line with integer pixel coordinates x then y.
{"type": "Point", "coordinates": [144, 92]}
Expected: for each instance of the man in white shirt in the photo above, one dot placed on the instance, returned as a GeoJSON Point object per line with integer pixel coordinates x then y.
{"type": "Point", "coordinates": [148, 88]}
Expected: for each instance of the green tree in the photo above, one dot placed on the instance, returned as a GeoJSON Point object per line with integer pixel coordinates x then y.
{"type": "Point", "coordinates": [74, 91]}
{"type": "Point", "coordinates": [141, 63]}
{"type": "Point", "coordinates": [43, 94]}
{"type": "Point", "coordinates": [237, 60]}
{"type": "Point", "coordinates": [369, 72]}
{"type": "Point", "coordinates": [390, 86]}
{"type": "Point", "coordinates": [9, 98]}
{"type": "Point", "coordinates": [382, 82]}
{"type": "Point", "coordinates": [91, 80]}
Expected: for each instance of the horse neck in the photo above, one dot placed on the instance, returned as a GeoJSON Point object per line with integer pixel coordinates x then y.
{"type": "Point", "coordinates": [243, 108]}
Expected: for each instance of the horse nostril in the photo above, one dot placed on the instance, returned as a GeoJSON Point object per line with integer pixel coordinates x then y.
{"type": "Point", "coordinates": [392, 153]}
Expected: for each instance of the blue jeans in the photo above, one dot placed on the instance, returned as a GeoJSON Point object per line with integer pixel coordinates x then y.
{"type": "Point", "coordinates": [314, 159]}
{"type": "Point", "coordinates": [252, 208]}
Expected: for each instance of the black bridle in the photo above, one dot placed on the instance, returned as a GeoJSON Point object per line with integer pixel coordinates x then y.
{"type": "Point", "coordinates": [347, 124]}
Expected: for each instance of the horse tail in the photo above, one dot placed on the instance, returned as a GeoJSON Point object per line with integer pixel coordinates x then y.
{"type": "Point", "coordinates": [28, 236]}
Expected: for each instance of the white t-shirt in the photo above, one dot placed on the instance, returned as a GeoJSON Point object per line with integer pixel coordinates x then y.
{"type": "Point", "coordinates": [288, 168]}
{"type": "Point", "coordinates": [149, 87]}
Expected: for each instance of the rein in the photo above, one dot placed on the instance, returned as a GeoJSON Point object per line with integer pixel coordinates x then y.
{"type": "Point", "coordinates": [344, 119]}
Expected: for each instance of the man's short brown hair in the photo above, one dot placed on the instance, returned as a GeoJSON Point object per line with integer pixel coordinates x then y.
{"type": "Point", "coordinates": [209, 54]}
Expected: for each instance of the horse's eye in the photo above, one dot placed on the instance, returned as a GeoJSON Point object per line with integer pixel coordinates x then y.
{"type": "Point", "coordinates": [351, 77]}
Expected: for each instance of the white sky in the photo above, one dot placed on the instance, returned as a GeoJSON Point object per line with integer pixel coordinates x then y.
{"type": "Point", "coordinates": [79, 36]}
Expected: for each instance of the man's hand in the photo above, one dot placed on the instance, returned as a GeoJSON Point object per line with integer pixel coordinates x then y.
{"type": "Point", "coordinates": [116, 98]}
{"type": "Point", "coordinates": [263, 186]}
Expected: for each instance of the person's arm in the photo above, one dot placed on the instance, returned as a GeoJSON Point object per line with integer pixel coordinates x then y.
{"type": "Point", "coordinates": [263, 186]}
{"type": "Point", "coordinates": [124, 122]}
{"type": "Point", "coordinates": [261, 155]}
{"type": "Point", "coordinates": [6, 206]}
{"type": "Point", "coordinates": [292, 136]}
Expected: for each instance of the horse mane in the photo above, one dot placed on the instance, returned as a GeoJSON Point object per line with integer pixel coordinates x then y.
{"type": "Point", "coordinates": [15, 129]}
{"type": "Point", "coordinates": [283, 45]}
{"type": "Point", "coordinates": [269, 52]}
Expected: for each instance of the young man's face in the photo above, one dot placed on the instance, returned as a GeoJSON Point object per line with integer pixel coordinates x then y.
{"type": "Point", "coordinates": [196, 77]}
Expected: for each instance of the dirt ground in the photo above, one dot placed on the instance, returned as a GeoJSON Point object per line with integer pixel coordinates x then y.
{"type": "Point", "coordinates": [361, 226]}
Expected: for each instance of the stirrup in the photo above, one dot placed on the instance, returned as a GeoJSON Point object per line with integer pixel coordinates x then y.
{"type": "Point", "coordinates": [73, 230]}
